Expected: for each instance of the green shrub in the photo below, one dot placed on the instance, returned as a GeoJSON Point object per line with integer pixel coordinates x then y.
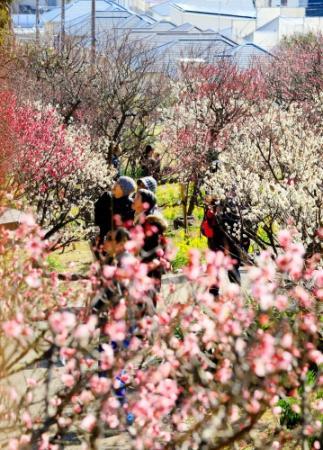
{"type": "Point", "coordinates": [179, 333]}
{"type": "Point", "coordinates": [289, 418]}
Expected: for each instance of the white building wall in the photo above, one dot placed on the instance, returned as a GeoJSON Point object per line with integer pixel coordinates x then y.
{"type": "Point", "coordinates": [313, 24]}
{"type": "Point", "coordinates": [278, 3]}
{"type": "Point", "coordinates": [140, 5]}
{"type": "Point", "coordinates": [292, 12]}
{"type": "Point", "coordinates": [265, 15]}
{"type": "Point", "coordinates": [203, 21]}
{"type": "Point", "coordinates": [240, 28]}
{"type": "Point", "coordinates": [265, 39]}
{"type": "Point", "coordinates": [288, 27]}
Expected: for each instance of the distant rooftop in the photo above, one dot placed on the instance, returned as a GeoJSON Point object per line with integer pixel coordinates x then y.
{"type": "Point", "coordinates": [241, 8]}
{"type": "Point", "coordinates": [162, 9]}
{"type": "Point", "coordinates": [170, 42]}
{"type": "Point", "coordinates": [79, 8]}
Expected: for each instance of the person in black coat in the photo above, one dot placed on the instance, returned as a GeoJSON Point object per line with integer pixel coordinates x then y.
{"type": "Point", "coordinates": [150, 163]}
{"type": "Point", "coordinates": [222, 227]}
{"type": "Point", "coordinates": [114, 209]}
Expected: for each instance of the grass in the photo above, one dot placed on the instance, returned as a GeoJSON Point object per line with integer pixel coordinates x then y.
{"type": "Point", "coordinates": [76, 258]}
{"type": "Point", "coordinates": [170, 196]}
{"type": "Point", "coordinates": [184, 243]}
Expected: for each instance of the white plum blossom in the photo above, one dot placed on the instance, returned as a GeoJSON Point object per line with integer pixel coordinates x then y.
{"type": "Point", "coordinates": [273, 164]}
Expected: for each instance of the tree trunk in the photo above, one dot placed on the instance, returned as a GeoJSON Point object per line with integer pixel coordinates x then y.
{"type": "Point", "coordinates": [193, 199]}
{"type": "Point", "coordinates": [184, 195]}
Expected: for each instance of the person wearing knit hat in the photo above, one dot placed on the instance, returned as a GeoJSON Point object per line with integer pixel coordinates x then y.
{"type": "Point", "coordinates": [124, 186]}
{"type": "Point", "coordinates": [147, 183]}
{"type": "Point", "coordinates": [114, 209]}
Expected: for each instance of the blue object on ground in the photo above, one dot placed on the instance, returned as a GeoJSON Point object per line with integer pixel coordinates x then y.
{"type": "Point", "coordinates": [130, 418]}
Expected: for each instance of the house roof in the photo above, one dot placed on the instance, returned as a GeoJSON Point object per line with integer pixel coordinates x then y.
{"type": "Point", "coordinates": [134, 21]}
{"type": "Point", "coordinates": [245, 54]}
{"type": "Point", "coordinates": [188, 27]}
{"type": "Point", "coordinates": [195, 39]}
{"type": "Point", "coordinates": [163, 25]}
{"type": "Point", "coordinates": [169, 42]}
{"type": "Point", "coordinates": [235, 8]}
{"type": "Point", "coordinates": [79, 8]}
{"type": "Point", "coordinates": [192, 49]}
{"type": "Point", "coordinates": [162, 9]}
{"type": "Point", "coordinates": [104, 21]}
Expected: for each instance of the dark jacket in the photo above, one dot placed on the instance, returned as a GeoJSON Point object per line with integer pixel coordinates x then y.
{"type": "Point", "coordinates": [222, 232]}
{"type": "Point", "coordinates": [150, 167]}
{"type": "Point", "coordinates": [107, 207]}
{"type": "Point", "coordinates": [154, 228]}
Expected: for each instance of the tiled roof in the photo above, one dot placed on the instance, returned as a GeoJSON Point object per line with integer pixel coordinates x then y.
{"type": "Point", "coordinates": [244, 55]}
{"type": "Point", "coordinates": [134, 21]}
{"type": "Point", "coordinates": [187, 27]}
{"type": "Point", "coordinates": [163, 26]}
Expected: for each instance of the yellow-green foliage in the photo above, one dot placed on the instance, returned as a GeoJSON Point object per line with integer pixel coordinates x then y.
{"type": "Point", "coordinates": [263, 235]}
{"type": "Point", "coordinates": [168, 194]}
{"type": "Point", "coordinates": [184, 244]}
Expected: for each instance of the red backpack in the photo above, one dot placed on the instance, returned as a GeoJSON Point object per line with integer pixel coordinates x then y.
{"type": "Point", "coordinates": [207, 226]}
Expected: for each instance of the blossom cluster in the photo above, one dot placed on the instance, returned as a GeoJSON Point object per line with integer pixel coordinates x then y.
{"type": "Point", "coordinates": [199, 372]}
{"type": "Point", "coordinates": [273, 166]}
{"type": "Point", "coordinates": [60, 170]}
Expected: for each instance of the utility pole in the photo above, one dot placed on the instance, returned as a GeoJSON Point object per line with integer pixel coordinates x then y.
{"type": "Point", "coordinates": [37, 23]}
{"type": "Point", "coordinates": [93, 38]}
{"type": "Point", "coordinates": [62, 40]}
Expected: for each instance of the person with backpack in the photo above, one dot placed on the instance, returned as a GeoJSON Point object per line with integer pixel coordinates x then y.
{"type": "Point", "coordinates": [114, 209]}
{"type": "Point", "coordinates": [221, 226]}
